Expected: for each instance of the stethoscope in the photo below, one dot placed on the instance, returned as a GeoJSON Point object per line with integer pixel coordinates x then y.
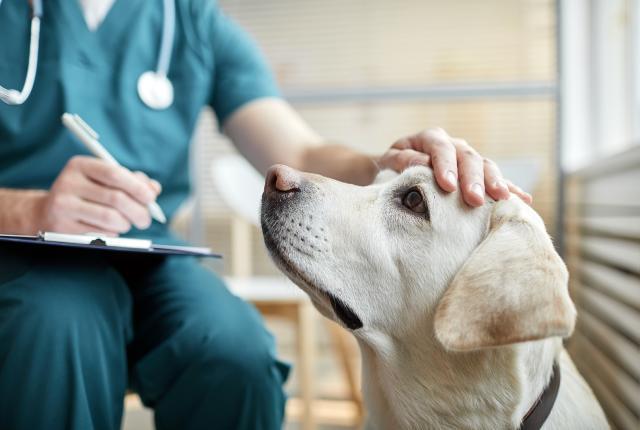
{"type": "Point", "coordinates": [154, 87]}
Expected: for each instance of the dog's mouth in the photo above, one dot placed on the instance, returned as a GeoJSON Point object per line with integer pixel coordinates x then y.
{"type": "Point", "coordinates": [344, 313]}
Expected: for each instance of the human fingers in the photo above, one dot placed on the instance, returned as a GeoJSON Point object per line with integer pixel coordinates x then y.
{"type": "Point", "coordinates": [400, 159]}
{"type": "Point", "coordinates": [116, 177]}
{"type": "Point", "coordinates": [68, 213]}
{"type": "Point", "coordinates": [526, 197]}
{"type": "Point", "coordinates": [155, 185]}
{"type": "Point", "coordinates": [135, 212]}
{"type": "Point", "coordinates": [471, 171]}
{"type": "Point", "coordinates": [104, 218]}
{"type": "Point", "coordinates": [439, 146]}
{"type": "Point", "coordinates": [494, 182]}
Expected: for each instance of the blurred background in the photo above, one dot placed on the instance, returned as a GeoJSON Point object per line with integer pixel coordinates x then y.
{"type": "Point", "coordinates": [548, 89]}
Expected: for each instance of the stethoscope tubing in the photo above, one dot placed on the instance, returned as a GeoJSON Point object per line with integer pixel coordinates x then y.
{"type": "Point", "coordinates": [15, 97]}
{"type": "Point", "coordinates": [166, 43]}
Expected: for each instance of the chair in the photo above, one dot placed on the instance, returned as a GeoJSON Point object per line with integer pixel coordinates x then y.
{"type": "Point", "coordinates": [240, 187]}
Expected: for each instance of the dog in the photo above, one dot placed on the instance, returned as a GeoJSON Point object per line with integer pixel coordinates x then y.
{"type": "Point", "coordinates": [459, 312]}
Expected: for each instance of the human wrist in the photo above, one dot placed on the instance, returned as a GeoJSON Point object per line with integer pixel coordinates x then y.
{"type": "Point", "coordinates": [370, 168]}
{"type": "Point", "coordinates": [22, 210]}
{"type": "Point", "coordinates": [35, 206]}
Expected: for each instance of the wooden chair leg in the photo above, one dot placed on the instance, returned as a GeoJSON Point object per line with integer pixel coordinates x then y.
{"type": "Point", "coordinates": [241, 245]}
{"type": "Point", "coordinates": [306, 365]}
{"type": "Point", "coordinates": [341, 344]}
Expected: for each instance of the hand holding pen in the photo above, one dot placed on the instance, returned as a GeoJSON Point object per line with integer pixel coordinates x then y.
{"type": "Point", "coordinates": [92, 194]}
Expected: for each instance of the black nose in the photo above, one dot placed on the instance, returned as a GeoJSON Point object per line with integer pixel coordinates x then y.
{"type": "Point", "coordinates": [282, 179]}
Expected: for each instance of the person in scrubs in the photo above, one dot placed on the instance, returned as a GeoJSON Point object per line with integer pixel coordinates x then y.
{"type": "Point", "coordinates": [78, 330]}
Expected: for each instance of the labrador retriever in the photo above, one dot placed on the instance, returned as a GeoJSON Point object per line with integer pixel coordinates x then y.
{"type": "Point", "coordinates": [459, 312]}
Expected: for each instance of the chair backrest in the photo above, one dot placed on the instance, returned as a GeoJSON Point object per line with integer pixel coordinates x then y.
{"type": "Point", "coordinates": [239, 185]}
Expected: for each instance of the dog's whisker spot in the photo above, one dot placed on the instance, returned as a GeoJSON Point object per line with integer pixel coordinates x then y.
{"type": "Point", "coordinates": [303, 251]}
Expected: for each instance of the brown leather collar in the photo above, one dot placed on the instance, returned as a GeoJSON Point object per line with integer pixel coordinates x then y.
{"type": "Point", "coordinates": [541, 409]}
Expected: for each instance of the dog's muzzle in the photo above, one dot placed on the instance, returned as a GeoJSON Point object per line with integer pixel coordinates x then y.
{"type": "Point", "coordinates": [291, 233]}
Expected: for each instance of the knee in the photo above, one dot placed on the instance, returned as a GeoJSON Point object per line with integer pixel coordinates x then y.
{"type": "Point", "coordinates": [249, 358]}
{"type": "Point", "coordinates": [242, 349]}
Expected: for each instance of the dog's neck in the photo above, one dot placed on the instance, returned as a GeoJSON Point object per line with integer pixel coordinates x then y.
{"type": "Point", "coordinates": [413, 382]}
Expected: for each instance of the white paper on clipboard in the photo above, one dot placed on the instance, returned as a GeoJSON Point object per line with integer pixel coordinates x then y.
{"type": "Point", "coordinates": [98, 241]}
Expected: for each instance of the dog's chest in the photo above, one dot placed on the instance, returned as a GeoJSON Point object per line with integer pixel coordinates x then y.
{"type": "Point", "coordinates": [400, 396]}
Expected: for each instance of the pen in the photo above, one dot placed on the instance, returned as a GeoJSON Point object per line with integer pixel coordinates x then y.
{"type": "Point", "coordinates": [89, 138]}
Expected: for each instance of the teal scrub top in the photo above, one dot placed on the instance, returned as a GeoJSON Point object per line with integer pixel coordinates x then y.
{"type": "Point", "coordinates": [94, 74]}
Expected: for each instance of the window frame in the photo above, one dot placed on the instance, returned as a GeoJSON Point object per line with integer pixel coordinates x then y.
{"type": "Point", "coordinates": [599, 112]}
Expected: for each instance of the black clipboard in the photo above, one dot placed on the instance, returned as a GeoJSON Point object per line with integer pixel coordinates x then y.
{"type": "Point", "coordinates": [96, 242]}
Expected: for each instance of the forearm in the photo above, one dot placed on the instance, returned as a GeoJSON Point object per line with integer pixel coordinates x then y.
{"type": "Point", "coordinates": [18, 209]}
{"type": "Point", "coordinates": [339, 162]}
{"type": "Point", "coordinates": [269, 131]}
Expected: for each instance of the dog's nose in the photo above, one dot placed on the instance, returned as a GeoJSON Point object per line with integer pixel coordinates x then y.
{"type": "Point", "coordinates": [282, 179]}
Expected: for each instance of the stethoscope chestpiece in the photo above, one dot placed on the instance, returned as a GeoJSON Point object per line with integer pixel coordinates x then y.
{"type": "Point", "coordinates": [155, 90]}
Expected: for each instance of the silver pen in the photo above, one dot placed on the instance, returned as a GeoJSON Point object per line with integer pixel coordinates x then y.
{"type": "Point", "coordinates": [89, 138]}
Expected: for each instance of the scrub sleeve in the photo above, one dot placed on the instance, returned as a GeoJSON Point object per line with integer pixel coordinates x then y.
{"type": "Point", "coordinates": [78, 329]}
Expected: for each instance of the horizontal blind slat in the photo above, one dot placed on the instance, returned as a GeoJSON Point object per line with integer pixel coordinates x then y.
{"type": "Point", "coordinates": [615, 252]}
{"type": "Point", "coordinates": [612, 282]}
{"type": "Point", "coordinates": [619, 188]}
{"type": "Point", "coordinates": [599, 209]}
{"type": "Point", "coordinates": [618, 316]}
{"type": "Point", "coordinates": [618, 348]}
{"type": "Point", "coordinates": [621, 226]}
{"type": "Point", "coordinates": [620, 383]}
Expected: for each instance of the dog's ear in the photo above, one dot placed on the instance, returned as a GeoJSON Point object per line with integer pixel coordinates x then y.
{"type": "Point", "coordinates": [513, 288]}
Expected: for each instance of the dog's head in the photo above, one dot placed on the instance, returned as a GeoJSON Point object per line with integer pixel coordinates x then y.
{"type": "Point", "coordinates": [393, 255]}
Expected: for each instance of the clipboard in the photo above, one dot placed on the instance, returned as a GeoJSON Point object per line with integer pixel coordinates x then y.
{"type": "Point", "coordinates": [98, 242]}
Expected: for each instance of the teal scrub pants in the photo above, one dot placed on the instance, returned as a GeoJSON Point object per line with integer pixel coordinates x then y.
{"type": "Point", "coordinates": [76, 331]}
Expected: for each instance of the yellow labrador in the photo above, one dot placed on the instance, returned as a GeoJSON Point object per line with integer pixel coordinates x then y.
{"type": "Point", "coordinates": [459, 312]}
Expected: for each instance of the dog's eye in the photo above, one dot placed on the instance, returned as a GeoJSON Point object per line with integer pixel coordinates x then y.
{"type": "Point", "coordinates": [414, 201]}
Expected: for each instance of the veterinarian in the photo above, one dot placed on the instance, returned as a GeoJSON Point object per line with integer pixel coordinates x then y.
{"type": "Point", "coordinates": [75, 331]}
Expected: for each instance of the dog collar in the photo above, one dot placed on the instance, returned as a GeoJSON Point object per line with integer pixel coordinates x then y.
{"type": "Point", "coordinates": [541, 409]}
